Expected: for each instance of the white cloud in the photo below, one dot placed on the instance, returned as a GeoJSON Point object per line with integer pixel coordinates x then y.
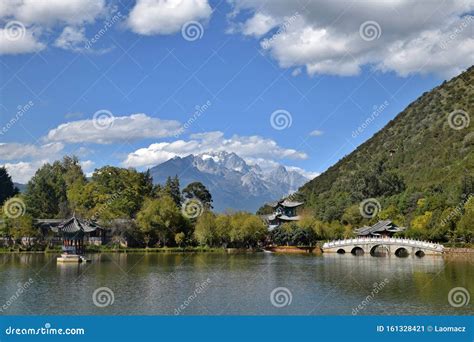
{"type": "Point", "coordinates": [122, 128]}
{"type": "Point", "coordinates": [38, 19]}
{"type": "Point", "coordinates": [25, 42]}
{"type": "Point", "coordinates": [16, 151]}
{"type": "Point", "coordinates": [52, 12]}
{"type": "Point", "coordinates": [72, 38]}
{"type": "Point", "coordinates": [316, 133]}
{"type": "Point", "coordinates": [247, 147]}
{"type": "Point", "coordinates": [258, 25]}
{"type": "Point", "coordinates": [150, 17]}
{"type": "Point", "coordinates": [87, 166]}
{"type": "Point", "coordinates": [428, 36]}
{"type": "Point", "coordinates": [23, 171]}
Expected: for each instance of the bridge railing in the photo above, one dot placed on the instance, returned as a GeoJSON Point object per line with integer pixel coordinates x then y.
{"type": "Point", "coordinates": [400, 241]}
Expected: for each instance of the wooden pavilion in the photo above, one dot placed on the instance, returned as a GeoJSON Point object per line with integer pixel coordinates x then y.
{"type": "Point", "coordinates": [74, 231]}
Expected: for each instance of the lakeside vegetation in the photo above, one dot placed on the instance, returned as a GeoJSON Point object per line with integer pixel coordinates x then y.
{"type": "Point", "coordinates": [418, 171]}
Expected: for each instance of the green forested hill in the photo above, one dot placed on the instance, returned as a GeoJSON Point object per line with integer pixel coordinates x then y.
{"type": "Point", "coordinates": [419, 167]}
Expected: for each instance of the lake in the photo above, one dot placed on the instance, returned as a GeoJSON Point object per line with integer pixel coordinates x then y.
{"type": "Point", "coordinates": [235, 284]}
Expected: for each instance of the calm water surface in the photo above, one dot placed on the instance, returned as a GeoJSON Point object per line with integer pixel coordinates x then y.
{"type": "Point", "coordinates": [235, 284]}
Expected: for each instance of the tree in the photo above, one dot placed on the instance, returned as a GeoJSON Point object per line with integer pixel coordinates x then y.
{"type": "Point", "coordinates": [179, 238]}
{"type": "Point", "coordinates": [46, 193]}
{"type": "Point", "coordinates": [7, 188]}
{"type": "Point", "coordinates": [159, 220]}
{"type": "Point", "coordinates": [205, 230]}
{"type": "Point", "coordinates": [199, 191]}
{"type": "Point", "coordinates": [173, 189]}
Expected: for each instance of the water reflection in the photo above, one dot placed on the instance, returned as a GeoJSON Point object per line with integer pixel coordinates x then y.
{"type": "Point", "coordinates": [158, 283]}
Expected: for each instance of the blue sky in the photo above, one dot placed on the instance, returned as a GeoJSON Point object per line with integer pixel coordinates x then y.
{"type": "Point", "coordinates": [145, 91]}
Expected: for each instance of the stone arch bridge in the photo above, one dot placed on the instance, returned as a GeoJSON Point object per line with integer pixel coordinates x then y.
{"type": "Point", "coordinates": [388, 246]}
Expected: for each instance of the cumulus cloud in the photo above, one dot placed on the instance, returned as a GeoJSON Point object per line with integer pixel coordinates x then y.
{"type": "Point", "coordinates": [34, 21]}
{"type": "Point", "coordinates": [247, 147]}
{"type": "Point", "coordinates": [151, 17]}
{"type": "Point", "coordinates": [120, 128]}
{"type": "Point", "coordinates": [19, 41]}
{"type": "Point", "coordinates": [15, 151]}
{"type": "Point", "coordinates": [325, 36]}
{"type": "Point", "coordinates": [53, 11]}
{"type": "Point", "coordinates": [22, 172]}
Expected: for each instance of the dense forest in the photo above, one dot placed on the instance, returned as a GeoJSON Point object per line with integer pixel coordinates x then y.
{"type": "Point", "coordinates": [418, 171]}
{"type": "Point", "coordinates": [134, 211]}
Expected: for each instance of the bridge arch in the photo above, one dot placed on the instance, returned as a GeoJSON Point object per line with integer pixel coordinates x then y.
{"type": "Point", "coordinates": [357, 251]}
{"type": "Point", "coordinates": [401, 252]}
{"type": "Point", "coordinates": [380, 251]}
{"type": "Point", "coordinates": [341, 251]}
{"type": "Point", "coordinates": [420, 253]}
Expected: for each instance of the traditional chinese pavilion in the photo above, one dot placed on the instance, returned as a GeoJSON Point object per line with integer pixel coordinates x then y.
{"type": "Point", "coordinates": [74, 232]}
{"type": "Point", "coordinates": [284, 211]}
{"type": "Point", "coordinates": [381, 229]}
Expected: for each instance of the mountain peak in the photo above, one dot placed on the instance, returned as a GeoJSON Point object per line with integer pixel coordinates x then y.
{"type": "Point", "coordinates": [233, 183]}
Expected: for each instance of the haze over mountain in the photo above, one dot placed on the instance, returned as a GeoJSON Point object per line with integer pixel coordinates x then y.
{"type": "Point", "coordinates": [233, 183]}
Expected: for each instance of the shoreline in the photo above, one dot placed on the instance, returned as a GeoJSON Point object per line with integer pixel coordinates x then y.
{"type": "Point", "coordinates": [314, 250]}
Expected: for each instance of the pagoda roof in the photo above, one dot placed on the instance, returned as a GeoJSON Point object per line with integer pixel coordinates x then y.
{"type": "Point", "coordinates": [381, 226]}
{"type": "Point", "coordinates": [75, 225]}
{"type": "Point", "coordinates": [286, 203]}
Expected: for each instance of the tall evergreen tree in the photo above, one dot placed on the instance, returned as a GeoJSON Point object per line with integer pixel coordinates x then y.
{"type": "Point", "coordinates": [7, 188]}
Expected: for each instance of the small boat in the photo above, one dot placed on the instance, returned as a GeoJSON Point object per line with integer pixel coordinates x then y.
{"type": "Point", "coordinates": [69, 258]}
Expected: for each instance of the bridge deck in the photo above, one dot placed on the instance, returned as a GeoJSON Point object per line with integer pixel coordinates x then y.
{"type": "Point", "coordinates": [385, 241]}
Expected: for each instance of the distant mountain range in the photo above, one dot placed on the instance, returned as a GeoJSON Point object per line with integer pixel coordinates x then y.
{"type": "Point", "coordinates": [233, 183]}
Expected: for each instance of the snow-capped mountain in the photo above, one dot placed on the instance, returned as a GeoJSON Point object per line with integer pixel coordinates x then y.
{"type": "Point", "coordinates": [233, 183]}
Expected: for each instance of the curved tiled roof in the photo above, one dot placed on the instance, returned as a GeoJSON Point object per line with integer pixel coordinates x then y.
{"type": "Point", "coordinates": [74, 225]}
